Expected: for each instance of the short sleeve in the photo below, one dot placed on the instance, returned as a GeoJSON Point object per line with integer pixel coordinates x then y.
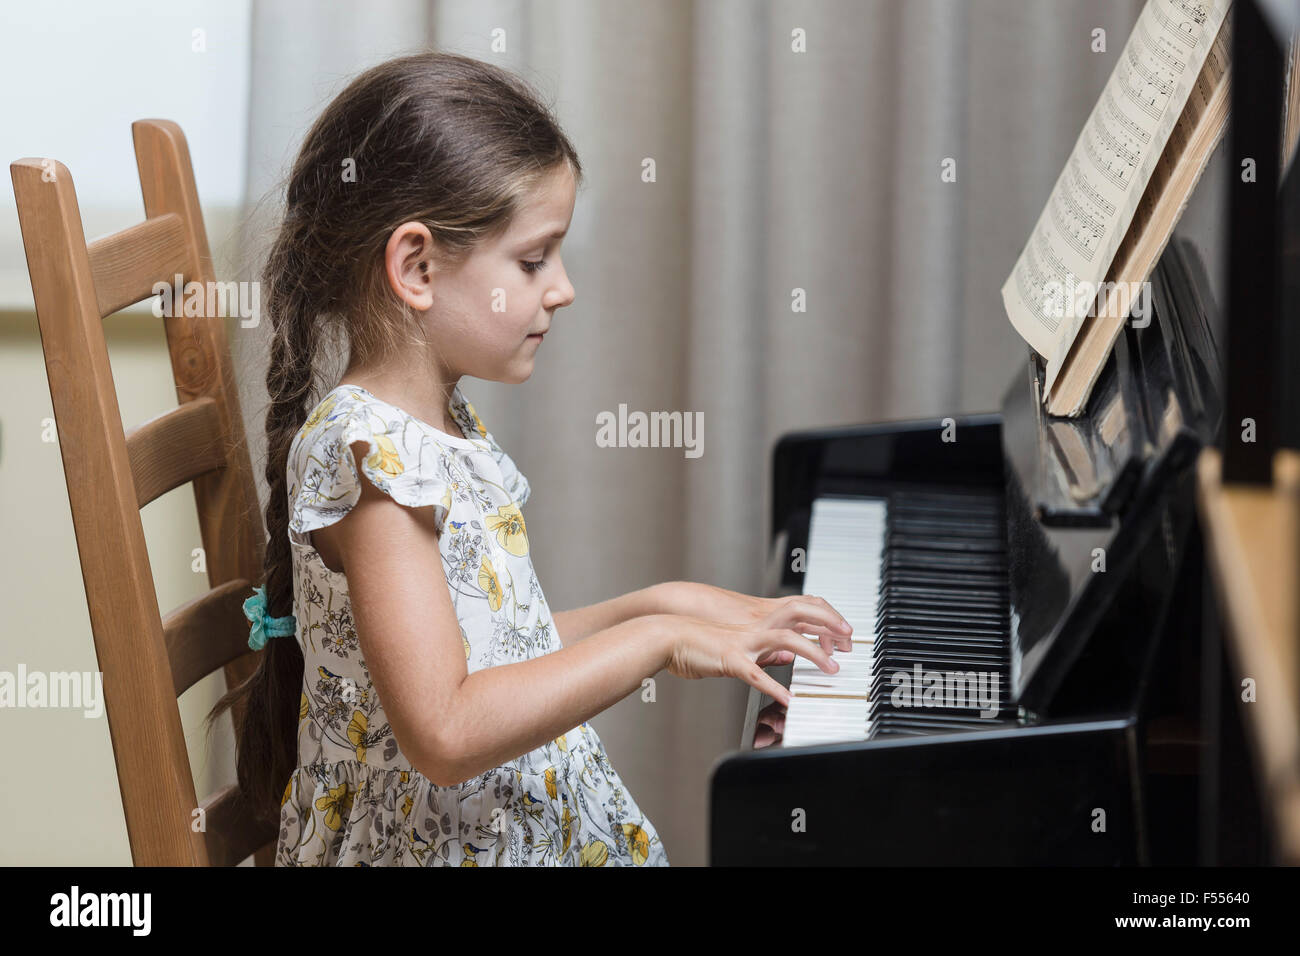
{"type": "Point", "coordinates": [400, 459]}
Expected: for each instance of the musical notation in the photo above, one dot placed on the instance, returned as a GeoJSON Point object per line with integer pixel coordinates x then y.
{"type": "Point", "coordinates": [1083, 184]}
{"type": "Point", "coordinates": [1100, 188]}
{"type": "Point", "coordinates": [1076, 223]}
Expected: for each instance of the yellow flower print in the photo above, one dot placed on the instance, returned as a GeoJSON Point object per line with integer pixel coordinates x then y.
{"type": "Point", "coordinates": [562, 743]}
{"type": "Point", "coordinates": [337, 805]}
{"type": "Point", "coordinates": [302, 708]}
{"type": "Point", "coordinates": [320, 414]}
{"type": "Point", "coordinates": [487, 580]}
{"type": "Point", "coordinates": [406, 805]}
{"type": "Point", "coordinates": [508, 523]}
{"type": "Point", "coordinates": [550, 782]}
{"type": "Point", "coordinates": [357, 734]}
{"type": "Point", "coordinates": [566, 828]}
{"type": "Point", "coordinates": [638, 842]}
{"type": "Point", "coordinates": [478, 422]}
{"type": "Point", "coordinates": [595, 853]}
{"type": "Point", "coordinates": [464, 640]}
{"type": "Point", "coordinates": [386, 458]}
{"type": "Point", "coordinates": [445, 501]}
{"type": "Point", "coordinates": [288, 787]}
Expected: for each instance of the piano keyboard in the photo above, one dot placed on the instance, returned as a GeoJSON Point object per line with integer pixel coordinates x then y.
{"type": "Point", "coordinates": [844, 546]}
{"type": "Point", "coordinates": [922, 578]}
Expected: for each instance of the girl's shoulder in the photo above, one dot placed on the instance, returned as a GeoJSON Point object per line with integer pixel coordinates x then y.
{"type": "Point", "coordinates": [406, 458]}
{"type": "Point", "coordinates": [516, 485]}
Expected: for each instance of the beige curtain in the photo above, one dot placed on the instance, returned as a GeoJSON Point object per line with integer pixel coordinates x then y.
{"type": "Point", "coordinates": [776, 170]}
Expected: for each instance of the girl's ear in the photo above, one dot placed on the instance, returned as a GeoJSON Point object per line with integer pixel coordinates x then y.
{"type": "Point", "coordinates": [408, 261]}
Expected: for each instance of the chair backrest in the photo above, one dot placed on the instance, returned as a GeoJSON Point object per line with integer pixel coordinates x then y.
{"type": "Point", "coordinates": [148, 660]}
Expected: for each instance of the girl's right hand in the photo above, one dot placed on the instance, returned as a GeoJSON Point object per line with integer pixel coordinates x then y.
{"type": "Point", "coordinates": [701, 648]}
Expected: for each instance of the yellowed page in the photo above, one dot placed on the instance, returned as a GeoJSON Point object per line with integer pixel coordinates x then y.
{"type": "Point", "coordinates": [1198, 130]}
{"type": "Point", "coordinates": [1052, 288]}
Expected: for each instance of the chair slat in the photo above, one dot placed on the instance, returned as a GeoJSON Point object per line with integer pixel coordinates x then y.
{"type": "Point", "coordinates": [127, 264]}
{"type": "Point", "coordinates": [207, 633]}
{"type": "Point", "coordinates": [232, 833]}
{"type": "Point", "coordinates": [174, 448]}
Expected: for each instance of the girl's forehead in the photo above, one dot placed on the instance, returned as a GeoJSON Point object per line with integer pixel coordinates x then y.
{"type": "Point", "coordinates": [551, 196]}
{"type": "Point", "coordinates": [545, 212]}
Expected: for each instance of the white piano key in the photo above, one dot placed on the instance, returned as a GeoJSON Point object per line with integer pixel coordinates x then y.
{"type": "Point", "coordinates": [845, 540]}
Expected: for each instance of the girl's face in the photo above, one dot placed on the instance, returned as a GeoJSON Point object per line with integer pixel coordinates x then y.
{"type": "Point", "coordinates": [486, 318]}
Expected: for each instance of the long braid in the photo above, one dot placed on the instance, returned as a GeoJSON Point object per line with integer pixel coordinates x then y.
{"type": "Point", "coordinates": [267, 751]}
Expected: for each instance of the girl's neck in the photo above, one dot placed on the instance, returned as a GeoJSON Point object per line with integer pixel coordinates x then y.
{"type": "Point", "coordinates": [426, 397]}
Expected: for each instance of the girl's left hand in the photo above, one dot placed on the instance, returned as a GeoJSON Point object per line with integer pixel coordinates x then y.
{"type": "Point", "coordinates": [769, 728]}
{"type": "Point", "coordinates": [731, 607]}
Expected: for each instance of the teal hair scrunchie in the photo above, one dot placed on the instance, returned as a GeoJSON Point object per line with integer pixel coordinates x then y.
{"type": "Point", "coordinates": [265, 626]}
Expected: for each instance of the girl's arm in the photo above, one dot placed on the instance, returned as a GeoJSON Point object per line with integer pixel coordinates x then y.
{"type": "Point", "coordinates": [573, 626]}
{"type": "Point", "coordinates": [713, 603]}
{"type": "Point", "coordinates": [683, 598]}
{"type": "Point", "coordinates": [453, 725]}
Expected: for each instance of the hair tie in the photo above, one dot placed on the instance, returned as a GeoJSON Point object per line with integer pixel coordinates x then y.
{"type": "Point", "coordinates": [265, 626]}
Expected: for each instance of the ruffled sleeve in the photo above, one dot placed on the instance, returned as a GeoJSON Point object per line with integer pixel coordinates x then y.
{"type": "Point", "coordinates": [400, 459]}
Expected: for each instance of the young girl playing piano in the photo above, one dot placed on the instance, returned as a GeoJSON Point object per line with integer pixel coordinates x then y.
{"type": "Point", "coordinates": [392, 722]}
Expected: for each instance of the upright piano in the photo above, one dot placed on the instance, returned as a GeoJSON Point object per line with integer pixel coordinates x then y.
{"type": "Point", "coordinates": [1025, 595]}
{"type": "Point", "coordinates": [1038, 673]}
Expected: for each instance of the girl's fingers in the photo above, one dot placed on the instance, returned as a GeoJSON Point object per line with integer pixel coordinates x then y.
{"type": "Point", "coordinates": [843, 626]}
{"type": "Point", "coordinates": [827, 637]}
{"type": "Point", "coordinates": [772, 716]}
{"type": "Point", "coordinates": [794, 641]}
{"type": "Point", "coordinates": [758, 678]}
{"type": "Point", "coordinates": [810, 615]}
{"type": "Point", "coordinates": [775, 658]}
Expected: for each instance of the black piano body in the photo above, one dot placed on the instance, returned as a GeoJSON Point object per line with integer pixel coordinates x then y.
{"type": "Point", "coordinates": [1099, 760]}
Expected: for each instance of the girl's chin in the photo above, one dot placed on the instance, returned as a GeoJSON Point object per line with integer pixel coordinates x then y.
{"type": "Point", "coordinates": [522, 372]}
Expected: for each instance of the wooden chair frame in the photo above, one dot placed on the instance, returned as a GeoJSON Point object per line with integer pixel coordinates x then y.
{"type": "Point", "coordinates": [148, 660]}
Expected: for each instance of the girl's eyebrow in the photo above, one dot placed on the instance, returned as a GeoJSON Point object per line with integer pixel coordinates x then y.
{"type": "Point", "coordinates": [537, 239]}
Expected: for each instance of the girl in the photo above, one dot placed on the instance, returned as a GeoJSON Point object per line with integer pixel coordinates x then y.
{"type": "Point", "coordinates": [417, 702]}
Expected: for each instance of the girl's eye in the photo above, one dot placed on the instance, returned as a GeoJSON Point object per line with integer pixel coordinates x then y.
{"type": "Point", "coordinates": [531, 265]}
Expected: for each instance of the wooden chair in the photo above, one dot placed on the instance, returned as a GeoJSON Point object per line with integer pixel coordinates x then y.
{"type": "Point", "coordinates": [148, 660]}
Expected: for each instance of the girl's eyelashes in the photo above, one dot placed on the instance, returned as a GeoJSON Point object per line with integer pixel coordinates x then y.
{"type": "Point", "coordinates": [531, 265]}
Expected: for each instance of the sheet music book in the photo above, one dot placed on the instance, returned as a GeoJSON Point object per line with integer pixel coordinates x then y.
{"type": "Point", "coordinates": [1116, 202]}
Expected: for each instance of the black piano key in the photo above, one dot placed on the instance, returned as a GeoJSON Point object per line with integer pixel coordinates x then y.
{"type": "Point", "coordinates": [957, 618]}
{"type": "Point", "coordinates": [900, 589]}
{"type": "Point", "coordinates": [943, 607]}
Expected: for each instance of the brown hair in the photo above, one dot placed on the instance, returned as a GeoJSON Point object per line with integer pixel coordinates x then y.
{"type": "Point", "coordinates": [442, 139]}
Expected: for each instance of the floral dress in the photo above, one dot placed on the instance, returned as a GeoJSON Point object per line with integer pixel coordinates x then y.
{"type": "Point", "coordinates": [354, 798]}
